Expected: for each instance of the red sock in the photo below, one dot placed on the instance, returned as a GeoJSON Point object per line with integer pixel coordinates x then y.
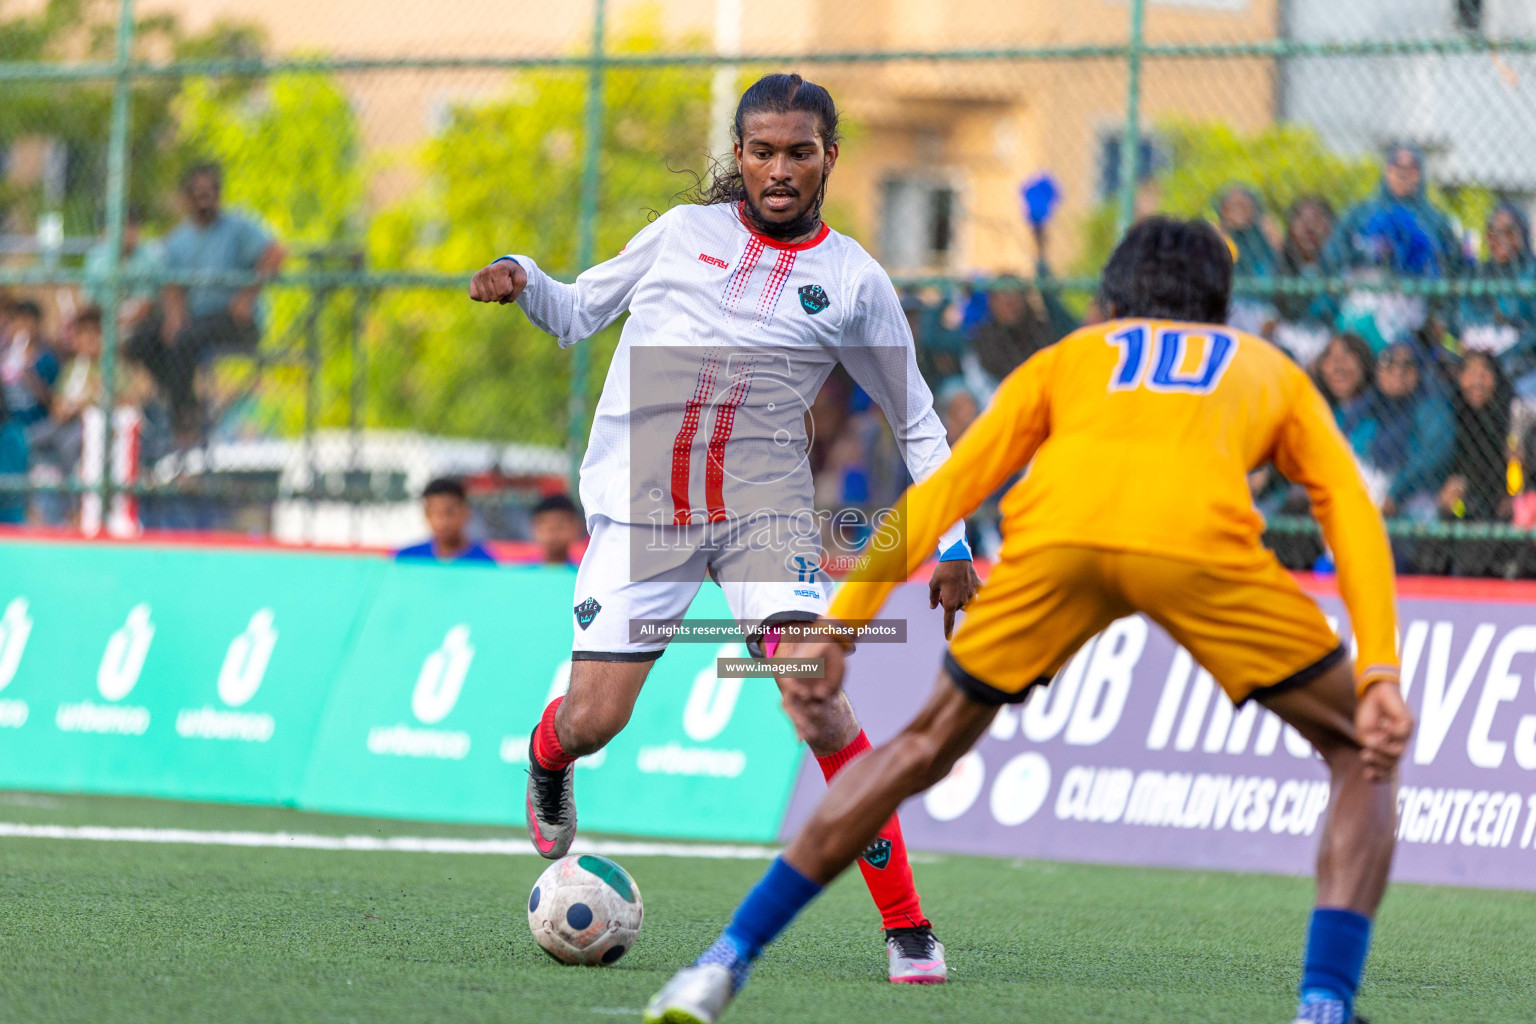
{"type": "Point", "coordinates": [885, 867]}
{"type": "Point", "coordinates": [546, 745]}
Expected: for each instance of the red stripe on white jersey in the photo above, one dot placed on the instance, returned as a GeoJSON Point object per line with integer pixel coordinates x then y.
{"type": "Point", "coordinates": [682, 444]}
{"type": "Point", "coordinates": [770, 297]}
{"type": "Point", "coordinates": [714, 458]}
{"type": "Point", "coordinates": [736, 284]}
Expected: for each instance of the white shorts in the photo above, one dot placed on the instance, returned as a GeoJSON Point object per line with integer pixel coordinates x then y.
{"type": "Point", "coordinates": [615, 587]}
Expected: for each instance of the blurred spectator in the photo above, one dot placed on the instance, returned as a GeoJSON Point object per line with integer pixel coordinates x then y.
{"type": "Point", "coordinates": [446, 507]}
{"type": "Point", "coordinates": [1409, 434]}
{"type": "Point", "coordinates": [1524, 505]}
{"type": "Point", "coordinates": [57, 441]}
{"type": "Point", "coordinates": [1396, 233]}
{"type": "Point", "coordinates": [201, 321]}
{"type": "Point", "coordinates": [957, 407]}
{"type": "Point", "coordinates": [827, 417]}
{"type": "Point", "coordinates": [1504, 325]}
{"type": "Point", "coordinates": [28, 370]}
{"type": "Point", "coordinates": [1239, 212]}
{"type": "Point", "coordinates": [138, 257]}
{"type": "Point", "coordinates": [1304, 320]}
{"type": "Point", "coordinates": [28, 366]}
{"type": "Point", "coordinates": [13, 442]}
{"type": "Point", "coordinates": [935, 324]}
{"type": "Point", "coordinates": [1018, 324]}
{"type": "Point", "coordinates": [1345, 374]}
{"type": "Point", "coordinates": [1478, 487]}
{"type": "Point", "coordinates": [557, 528]}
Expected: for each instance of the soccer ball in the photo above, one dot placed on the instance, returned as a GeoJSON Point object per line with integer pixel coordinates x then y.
{"type": "Point", "coordinates": [585, 910]}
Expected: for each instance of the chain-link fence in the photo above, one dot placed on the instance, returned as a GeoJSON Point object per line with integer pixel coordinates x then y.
{"type": "Point", "coordinates": [297, 359]}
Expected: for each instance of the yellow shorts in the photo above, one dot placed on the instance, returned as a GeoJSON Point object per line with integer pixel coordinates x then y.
{"type": "Point", "coordinates": [1253, 629]}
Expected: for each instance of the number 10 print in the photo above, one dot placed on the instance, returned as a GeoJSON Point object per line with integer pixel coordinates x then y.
{"type": "Point", "coordinates": [1167, 354]}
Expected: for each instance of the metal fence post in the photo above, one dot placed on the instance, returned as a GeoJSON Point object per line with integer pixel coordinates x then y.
{"type": "Point", "coordinates": [117, 193]}
{"type": "Point", "coordinates": [586, 229]}
{"type": "Point", "coordinates": [1130, 145]}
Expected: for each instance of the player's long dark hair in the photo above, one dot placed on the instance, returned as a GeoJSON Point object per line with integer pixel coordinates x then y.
{"type": "Point", "coordinates": [1167, 269]}
{"type": "Point", "coordinates": [771, 94]}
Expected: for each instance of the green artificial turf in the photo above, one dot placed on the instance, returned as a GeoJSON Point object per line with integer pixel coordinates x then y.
{"type": "Point", "coordinates": [125, 932]}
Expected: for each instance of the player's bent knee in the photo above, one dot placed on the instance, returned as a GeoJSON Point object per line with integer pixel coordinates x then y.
{"type": "Point", "coordinates": [920, 760]}
{"type": "Point", "coordinates": [587, 727]}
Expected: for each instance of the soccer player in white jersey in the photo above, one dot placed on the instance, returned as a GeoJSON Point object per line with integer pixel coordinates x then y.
{"type": "Point", "coordinates": [740, 306]}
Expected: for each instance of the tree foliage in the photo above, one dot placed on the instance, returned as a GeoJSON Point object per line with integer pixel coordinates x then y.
{"type": "Point", "coordinates": [78, 114]}
{"type": "Point", "coordinates": [1281, 162]}
{"type": "Point", "coordinates": [504, 176]}
{"type": "Point", "coordinates": [289, 151]}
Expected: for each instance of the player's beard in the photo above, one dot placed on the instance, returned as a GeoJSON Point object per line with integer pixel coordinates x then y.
{"type": "Point", "coordinates": [785, 231]}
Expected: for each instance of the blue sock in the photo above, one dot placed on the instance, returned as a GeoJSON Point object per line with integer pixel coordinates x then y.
{"type": "Point", "coordinates": [766, 911]}
{"type": "Point", "coordinates": [1337, 943]}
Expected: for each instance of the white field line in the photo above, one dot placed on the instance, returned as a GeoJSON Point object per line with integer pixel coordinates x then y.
{"type": "Point", "coordinates": [379, 844]}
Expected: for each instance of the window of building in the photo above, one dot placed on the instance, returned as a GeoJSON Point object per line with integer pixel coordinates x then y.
{"type": "Point", "coordinates": [1469, 15]}
{"type": "Point", "coordinates": [1149, 161]}
{"type": "Point", "coordinates": [918, 223]}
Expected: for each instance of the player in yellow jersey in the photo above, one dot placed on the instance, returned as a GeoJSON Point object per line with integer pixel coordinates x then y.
{"type": "Point", "coordinates": [1139, 434]}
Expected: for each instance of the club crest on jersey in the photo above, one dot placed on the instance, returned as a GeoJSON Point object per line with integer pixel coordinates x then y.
{"type": "Point", "coordinates": [878, 854]}
{"type": "Point", "coordinates": [586, 612]}
{"type": "Point", "coordinates": [812, 299]}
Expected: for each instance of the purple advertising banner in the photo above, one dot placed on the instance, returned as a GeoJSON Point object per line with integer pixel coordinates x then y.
{"type": "Point", "coordinates": [1133, 755]}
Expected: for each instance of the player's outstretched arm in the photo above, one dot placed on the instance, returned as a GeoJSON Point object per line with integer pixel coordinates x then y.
{"type": "Point", "coordinates": [572, 312]}
{"type": "Point", "coordinates": [1311, 451]}
{"type": "Point", "coordinates": [998, 444]}
{"type": "Point", "coordinates": [502, 281]}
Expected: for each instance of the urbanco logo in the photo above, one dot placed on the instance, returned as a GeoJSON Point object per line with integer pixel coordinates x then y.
{"type": "Point", "coordinates": [711, 703]}
{"type": "Point", "coordinates": [15, 628]}
{"type": "Point", "coordinates": [245, 663]}
{"type": "Point", "coordinates": [438, 686]}
{"type": "Point", "coordinates": [123, 659]}
{"type": "Point", "coordinates": [118, 673]}
{"type": "Point", "coordinates": [442, 677]}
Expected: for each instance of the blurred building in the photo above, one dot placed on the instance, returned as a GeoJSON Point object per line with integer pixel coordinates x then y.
{"type": "Point", "coordinates": [1469, 112]}
{"type": "Point", "coordinates": [936, 151]}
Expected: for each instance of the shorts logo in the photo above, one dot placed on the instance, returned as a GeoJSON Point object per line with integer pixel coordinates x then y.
{"type": "Point", "coordinates": [714, 261]}
{"type": "Point", "coordinates": [806, 593]}
{"type": "Point", "coordinates": [878, 855]}
{"type": "Point", "coordinates": [812, 299]}
{"type": "Point", "coordinates": [586, 612]}
{"type": "Point", "coordinates": [804, 568]}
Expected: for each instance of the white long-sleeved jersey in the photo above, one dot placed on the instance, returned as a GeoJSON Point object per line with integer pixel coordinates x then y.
{"type": "Point", "coordinates": [730, 336]}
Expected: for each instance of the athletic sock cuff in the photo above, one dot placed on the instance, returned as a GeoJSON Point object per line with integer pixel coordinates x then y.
{"type": "Point", "coordinates": [836, 762]}
{"type": "Point", "coordinates": [769, 907]}
{"type": "Point", "coordinates": [547, 750]}
{"type": "Point", "coordinates": [1337, 943]}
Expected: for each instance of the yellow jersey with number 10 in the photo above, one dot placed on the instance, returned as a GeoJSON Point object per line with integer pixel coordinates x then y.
{"type": "Point", "coordinates": [1139, 436]}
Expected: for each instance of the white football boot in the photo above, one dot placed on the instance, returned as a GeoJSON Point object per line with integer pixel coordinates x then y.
{"type": "Point", "coordinates": [917, 957]}
{"type": "Point", "coordinates": [550, 807]}
{"type": "Point", "coordinates": [1326, 1011]}
{"type": "Point", "coordinates": [695, 995]}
